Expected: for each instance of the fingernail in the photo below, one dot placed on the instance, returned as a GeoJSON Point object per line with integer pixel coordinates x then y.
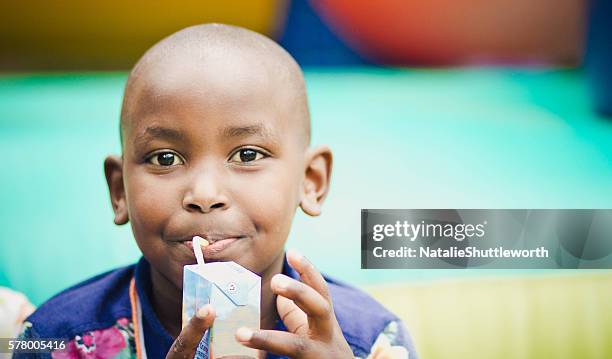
{"type": "Point", "coordinates": [295, 254]}
{"type": "Point", "coordinates": [280, 281]}
{"type": "Point", "coordinates": [203, 312]}
{"type": "Point", "coordinates": [244, 334]}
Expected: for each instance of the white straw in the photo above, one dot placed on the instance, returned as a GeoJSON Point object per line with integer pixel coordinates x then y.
{"type": "Point", "coordinates": [197, 249]}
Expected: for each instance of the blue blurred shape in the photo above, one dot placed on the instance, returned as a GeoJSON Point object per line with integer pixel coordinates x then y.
{"type": "Point", "coordinates": [311, 41]}
{"type": "Point", "coordinates": [599, 54]}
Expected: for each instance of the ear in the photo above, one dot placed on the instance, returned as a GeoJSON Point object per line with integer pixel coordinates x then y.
{"type": "Point", "coordinates": [316, 180]}
{"type": "Point", "coordinates": [113, 170]}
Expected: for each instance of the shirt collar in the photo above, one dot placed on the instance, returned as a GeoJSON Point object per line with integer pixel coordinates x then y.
{"type": "Point", "coordinates": [157, 339]}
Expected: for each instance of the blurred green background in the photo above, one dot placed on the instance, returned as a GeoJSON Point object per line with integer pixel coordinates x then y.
{"type": "Point", "coordinates": [480, 136]}
{"type": "Point", "coordinates": [402, 138]}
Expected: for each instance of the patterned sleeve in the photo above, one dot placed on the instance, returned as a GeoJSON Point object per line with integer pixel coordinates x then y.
{"type": "Point", "coordinates": [114, 342]}
{"type": "Point", "coordinates": [393, 343]}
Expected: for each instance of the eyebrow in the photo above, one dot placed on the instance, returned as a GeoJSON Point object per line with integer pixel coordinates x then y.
{"type": "Point", "coordinates": [154, 132]}
{"type": "Point", "coordinates": [167, 133]}
{"type": "Point", "coordinates": [257, 130]}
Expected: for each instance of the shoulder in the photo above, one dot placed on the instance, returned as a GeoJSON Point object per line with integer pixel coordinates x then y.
{"type": "Point", "coordinates": [360, 316]}
{"type": "Point", "coordinates": [92, 304]}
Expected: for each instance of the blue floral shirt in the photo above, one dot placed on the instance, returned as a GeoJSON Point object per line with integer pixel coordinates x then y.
{"type": "Point", "coordinates": [95, 316]}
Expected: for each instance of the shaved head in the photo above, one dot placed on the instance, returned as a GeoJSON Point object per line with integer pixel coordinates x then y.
{"type": "Point", "coordinates": [208, 61]}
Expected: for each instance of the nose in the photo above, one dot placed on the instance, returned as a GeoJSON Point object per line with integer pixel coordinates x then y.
{"type": "Point", "coordinates": [205, 192]}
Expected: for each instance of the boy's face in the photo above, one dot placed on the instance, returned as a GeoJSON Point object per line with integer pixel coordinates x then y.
{"type": "Point", "coordinates": [217, 153]}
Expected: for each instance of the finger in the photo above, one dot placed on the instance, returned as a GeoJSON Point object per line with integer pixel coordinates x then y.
{"type": "Point", "coordinates": [275, 341]}
{"type": "Point", "coordinates": [187, 342]}
{"type": "Point", "coordinates": [305, 297]}
{"type": "Point", "coordinates": [292, 316]}
{"type": "Point", "coordinates": [308, 273]}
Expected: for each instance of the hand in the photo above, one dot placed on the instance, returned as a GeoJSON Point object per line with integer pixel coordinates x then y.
{"type": "Point", "coordinates": [306, 309]}
{"type": "Point", "coordinates": [186, 344]}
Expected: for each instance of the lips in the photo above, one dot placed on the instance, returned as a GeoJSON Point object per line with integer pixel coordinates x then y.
{"type": "Point", "coordinates": [215, 247]}
{"type": "Point", "coordinates": [217, 242]}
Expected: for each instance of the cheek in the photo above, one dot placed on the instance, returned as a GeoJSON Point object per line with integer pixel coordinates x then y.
{"type": "Point", "coordinates": [150, 203]}
{"type": "Point", "coordinates": [270, 199]}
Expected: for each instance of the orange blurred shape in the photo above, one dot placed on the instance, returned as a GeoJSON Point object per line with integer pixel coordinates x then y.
{"type": "Point", "coordinates": [112, 34]}
{"type": "Point", "coordinates": [443, 32]}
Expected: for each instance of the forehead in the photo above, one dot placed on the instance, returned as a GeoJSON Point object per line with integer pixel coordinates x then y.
{"type": "Point", "coordinates": [225, 94]}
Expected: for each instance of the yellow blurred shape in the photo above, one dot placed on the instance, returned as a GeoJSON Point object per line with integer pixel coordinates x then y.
{"type": "Point", "coordinates": [536, 316]}
{"type": "Point", "coordinates": [112, 34]}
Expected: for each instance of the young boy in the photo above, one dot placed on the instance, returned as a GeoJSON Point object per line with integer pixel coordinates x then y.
{"type": "Point", "coordinates": [215, 133]}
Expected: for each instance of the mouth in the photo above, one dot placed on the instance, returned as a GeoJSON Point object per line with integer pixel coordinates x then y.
{"type": "Point", "coordinates": [216, 243]}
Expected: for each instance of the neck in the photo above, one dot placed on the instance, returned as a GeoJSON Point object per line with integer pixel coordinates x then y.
{"type": "Point", "coordinates": [167, 302]}
{"type": "Point", "coordinates": [167, 299]}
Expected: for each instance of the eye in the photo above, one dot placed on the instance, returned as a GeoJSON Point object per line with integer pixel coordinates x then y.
{"type": "Point", "coordinates": [245, 155]}
{"type": "Point", "coordinates": [165, 159]}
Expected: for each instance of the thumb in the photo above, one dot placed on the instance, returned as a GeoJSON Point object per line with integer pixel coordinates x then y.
{"type": "Point", "coordinates": [292, 316]}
